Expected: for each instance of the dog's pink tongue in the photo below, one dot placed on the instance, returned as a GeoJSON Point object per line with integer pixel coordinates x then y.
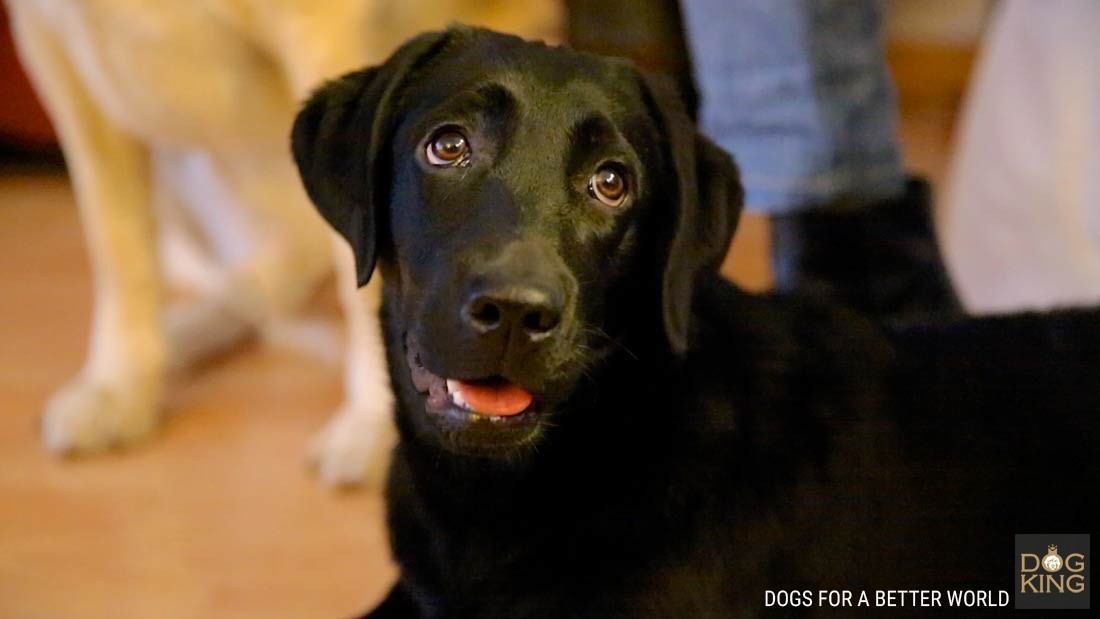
{"type": "Point", "coordinates": [501, 398]}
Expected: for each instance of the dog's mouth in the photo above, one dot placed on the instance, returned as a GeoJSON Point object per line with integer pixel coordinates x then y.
{"type": "Point", "coordinates": [491, 401]}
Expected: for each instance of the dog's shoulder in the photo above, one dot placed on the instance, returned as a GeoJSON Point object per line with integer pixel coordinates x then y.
{"type": "Point", "coordinates": [785, 384]}
{"type": "Point", "coordinates": [779, 347]}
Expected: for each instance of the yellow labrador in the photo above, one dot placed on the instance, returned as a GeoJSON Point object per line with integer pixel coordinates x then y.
{"type": "Point", "coordinates": [178, 114]}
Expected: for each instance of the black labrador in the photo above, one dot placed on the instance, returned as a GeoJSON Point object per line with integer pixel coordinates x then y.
{"type": "Point", "coordinates": [594, 424]}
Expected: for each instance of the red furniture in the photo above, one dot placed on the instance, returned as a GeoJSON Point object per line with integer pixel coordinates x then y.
{"type": "Point", "coordinates": [23, 122]}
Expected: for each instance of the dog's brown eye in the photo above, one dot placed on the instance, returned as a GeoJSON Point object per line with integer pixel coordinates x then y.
{"type": "Point", "coordinates": [608, 185]}
{"type": "Point", "coordinates": [447, 149]}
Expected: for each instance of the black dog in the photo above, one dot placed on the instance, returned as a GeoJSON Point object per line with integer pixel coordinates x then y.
{"type": "Point", "coordinates": [595, 425]}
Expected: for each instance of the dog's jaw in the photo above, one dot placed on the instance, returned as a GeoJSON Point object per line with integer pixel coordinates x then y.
{"type": "Point", "coordinates": [462, 429]}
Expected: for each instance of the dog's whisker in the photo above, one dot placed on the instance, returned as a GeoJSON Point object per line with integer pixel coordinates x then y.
{"type": "Point", "coordinates": [601, 334]}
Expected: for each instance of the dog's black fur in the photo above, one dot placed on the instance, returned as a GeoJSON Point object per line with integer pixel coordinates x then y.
{"type": "Point", "coordinates": [690, 446]}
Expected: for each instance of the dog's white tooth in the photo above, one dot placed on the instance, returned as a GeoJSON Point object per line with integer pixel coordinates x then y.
{"type": "Point", "coordinates": [456, 394]}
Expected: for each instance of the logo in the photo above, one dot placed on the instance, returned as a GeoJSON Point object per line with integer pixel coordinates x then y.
{"type": "Point", "coordinates": [1052, 562]}
{"type": "Point", "coordinates": [1057, 578]}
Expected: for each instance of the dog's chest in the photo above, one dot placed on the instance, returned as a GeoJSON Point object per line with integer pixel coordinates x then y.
{"type": "Point", "coordinates": [177, 73]}
{"type": "Point", "coordinates": [546, 551]}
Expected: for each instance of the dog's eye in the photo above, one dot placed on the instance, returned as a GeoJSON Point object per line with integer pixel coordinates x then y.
{"type": "Point", "coordinates": [449, 148]}
{"type": "Point", "coordinates": [608, 185]}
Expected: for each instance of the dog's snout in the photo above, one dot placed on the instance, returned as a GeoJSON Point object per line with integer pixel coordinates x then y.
{"type": "Point", "coordinates": [509, 310]}
{"type": "Point", "coordinates": [518, 295]}
{"type": "Point", "coordinates": [528, 310]}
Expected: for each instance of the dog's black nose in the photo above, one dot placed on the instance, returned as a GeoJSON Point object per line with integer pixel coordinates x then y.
{"type": "Point", "coordinates": [527, 310]}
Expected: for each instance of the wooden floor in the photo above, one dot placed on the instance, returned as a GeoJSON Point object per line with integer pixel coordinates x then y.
{"type": "Point", "coordinates": [217, 516]}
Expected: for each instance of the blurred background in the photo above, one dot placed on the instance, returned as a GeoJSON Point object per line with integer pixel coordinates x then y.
{"type": "Point", "coordinates": [217, 515]}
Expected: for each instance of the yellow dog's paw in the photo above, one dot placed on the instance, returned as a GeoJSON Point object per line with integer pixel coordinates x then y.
{"type": "Point", "coordinates": [92, 415]}
{"type": "Point", "coordinates": [354, 447]}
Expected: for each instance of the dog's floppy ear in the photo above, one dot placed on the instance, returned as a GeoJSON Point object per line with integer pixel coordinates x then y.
{"type": "Point", "coordinates": [708, 200]}
{"type": "Point", "coordinates": [339, 140]}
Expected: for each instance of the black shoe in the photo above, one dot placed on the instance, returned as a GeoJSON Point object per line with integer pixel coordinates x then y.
{"type": "Point", "coordinates": [881, 259]}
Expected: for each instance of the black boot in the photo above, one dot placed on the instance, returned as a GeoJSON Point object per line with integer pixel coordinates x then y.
{"type": "Point", "coordinates": [881, 259]}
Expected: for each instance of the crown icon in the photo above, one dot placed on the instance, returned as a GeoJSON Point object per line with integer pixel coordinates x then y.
{"type": "Point", "coordinates": [1053, 548]}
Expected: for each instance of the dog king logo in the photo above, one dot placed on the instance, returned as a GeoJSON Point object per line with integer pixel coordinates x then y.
{"type": "Point", "coordinates": [1058, 578]}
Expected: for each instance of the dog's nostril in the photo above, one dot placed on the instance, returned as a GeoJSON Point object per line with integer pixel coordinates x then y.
{"type": "Point", "coordinates": [528, 311]}
{"type": "Point", "coordinates": [485, 313]}
{"type": "Point", "coordinates": [540, 321]}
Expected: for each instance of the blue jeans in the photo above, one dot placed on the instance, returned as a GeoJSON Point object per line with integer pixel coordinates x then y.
{"type": "Point", "coordinates": [798, 92]}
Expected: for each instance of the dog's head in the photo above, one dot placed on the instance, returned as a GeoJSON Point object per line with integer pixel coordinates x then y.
{"type": "Point", "coordinates": [531, 208]}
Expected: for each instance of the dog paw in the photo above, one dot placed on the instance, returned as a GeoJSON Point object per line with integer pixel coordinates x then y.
{"type": "Point", "coordinates": [87, 416]}
{"type": "Point", "coordinates": [354, 448]}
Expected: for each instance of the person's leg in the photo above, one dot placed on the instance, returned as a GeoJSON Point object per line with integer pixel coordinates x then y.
{"type": "Point", "coordinates": [799, 93]}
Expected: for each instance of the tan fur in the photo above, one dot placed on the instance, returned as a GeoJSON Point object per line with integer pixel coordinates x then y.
{"type": "Point", "coordinates": [178, 113]}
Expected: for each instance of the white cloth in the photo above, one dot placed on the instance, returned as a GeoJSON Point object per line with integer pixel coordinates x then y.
{"type": "Point", "coordinates": [1021, 227]}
